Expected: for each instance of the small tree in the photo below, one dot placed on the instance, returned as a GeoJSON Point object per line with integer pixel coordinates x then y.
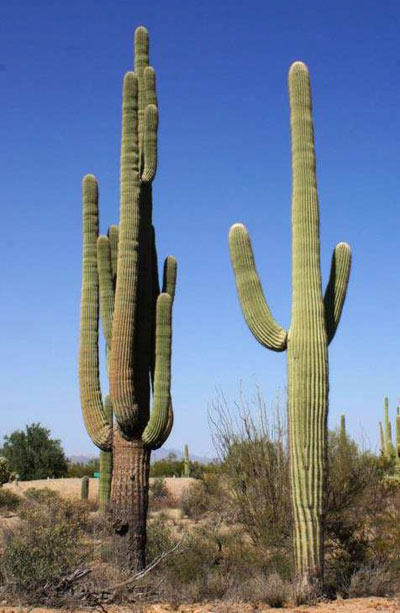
{"type": "Point", "coordinates": [32, 454]}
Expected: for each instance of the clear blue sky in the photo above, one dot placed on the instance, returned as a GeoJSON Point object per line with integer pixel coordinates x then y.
{"type": "Point", "coordinates": [224, 156]}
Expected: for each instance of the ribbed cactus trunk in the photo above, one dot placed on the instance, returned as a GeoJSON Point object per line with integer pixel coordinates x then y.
{"type": "Point", "coordinates": [85, 488]}
{"type": "Point", "coordinates": [307, 344]}
{"type": "Point", "coordinates": [314, 322]}
{"type": "Point", "coordinates": [130, 495]}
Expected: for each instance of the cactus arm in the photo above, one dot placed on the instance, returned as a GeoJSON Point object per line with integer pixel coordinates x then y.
{"type": "Point", "coordinates": [150, 143]}
{"type": "Point", "coordinates": [169, 276]}
{"type": "Point", "coordinates": [162, 376]}
{"type": "Point", "coordinates": [150, 85]}
{"type": "Point", "coordinates": [106, 459]}
{"type": "Point", "coordinates": [92, 406]}
{"type": "Point", "coordinates": [254, 306]}
{"type": "Point", "coordinates": [167, 430]}
{"type": "Point", "coordinates": [398, 441]}
{"type": "Point", "coordinates": [122, 389]}
{"type": "Point", "coordinates": [112, 234]}
{"type": "Point", "coordinates": [388, 430]}
{"type": "Point", "coordinates": [104, 266]}
{"type": "Point", "coordinates": [336, 289]}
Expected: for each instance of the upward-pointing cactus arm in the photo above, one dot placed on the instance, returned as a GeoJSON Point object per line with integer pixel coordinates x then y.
{"type": "Point", "coordinates": [106, 286]}
{"type": "Point", "coordinates": [159, 418]}
{"type": "Point", "coordinates": [254, 306]}
{"type": "Point", "coordinates": [336, 289]}
{"type": "Point", "coordinates": [169, 276]}
{"type": "Point", "coordinates": [94, 416]}
{"type": "Point", "coordinates": [112, 234]}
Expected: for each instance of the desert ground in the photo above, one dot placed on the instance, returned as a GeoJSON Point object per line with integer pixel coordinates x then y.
{"type": "Point", "coordinates": [356, 605]}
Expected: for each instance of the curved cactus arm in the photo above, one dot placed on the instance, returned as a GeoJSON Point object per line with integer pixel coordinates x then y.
{"type": "Point", "coordinates": [92, 406]}
{"type": "Point", "coordinates": [113, 232]}
{"type": "Point", "coordinates": [122, 389]}
{"type": "Point", "coordinates": [254, 306]}
{"type": "Point", "coordinates": [336, 289]}
{"type": "Point", "coordinates": [167, 430]}
{"type": "Point", "coordinates": [162, 376]}
{"type": "Point", "coordinates": [104, 266]}
{"type": "Point", "coordinates": [169, 276]}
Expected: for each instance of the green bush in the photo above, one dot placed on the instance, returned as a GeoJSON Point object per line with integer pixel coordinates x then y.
{"type": "Point", "coordinates": [5, 473]}
{"type": "Point", "coordinates": [32, 454]}
{"type": "Point", "coordinates": [48, 546]}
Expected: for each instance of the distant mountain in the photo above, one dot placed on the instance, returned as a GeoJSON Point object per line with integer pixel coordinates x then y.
{"type": "Point", "coordinates": [159, 454]}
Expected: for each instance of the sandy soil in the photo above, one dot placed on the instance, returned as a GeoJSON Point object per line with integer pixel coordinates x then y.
{"type": "Point", "coordinates": [71, 488]}
{"type": "Point", "coordinates": [355, 605]}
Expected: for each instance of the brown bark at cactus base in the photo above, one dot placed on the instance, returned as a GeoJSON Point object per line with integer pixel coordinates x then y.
{"type": "Point", "coordinates": [129, 500]}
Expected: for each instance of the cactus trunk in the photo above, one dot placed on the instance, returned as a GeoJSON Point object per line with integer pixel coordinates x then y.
{"type": "Point", "coordinates": [307, 346]}
{"type": "Point", "coordinates": [130, 487]}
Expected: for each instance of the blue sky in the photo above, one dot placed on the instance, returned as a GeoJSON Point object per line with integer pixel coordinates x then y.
{"type": "Point", "coordinates": [224, 156]}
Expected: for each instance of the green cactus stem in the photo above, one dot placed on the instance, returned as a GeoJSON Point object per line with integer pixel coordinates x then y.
{"type": "Point", "coordinates": [136, 318]}
{"type": "Point", "coordinates": [85, 488]}
{"type": "Point", "coordinates": [388, 443]}
{"type": "Point", "coordinates": [314, 322]}
{"type": "Point", "coordinates": [186, 470]}
{"type": "Point", "coordinates": [342, 431]}
{"type": "Point", "coordinates": [381, 438]}
{"type": "Point", "coordinates": [106, 461]}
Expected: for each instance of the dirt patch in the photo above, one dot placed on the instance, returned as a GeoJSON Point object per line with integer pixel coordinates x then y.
{"type": "Point", "coordinates": [71, 488]}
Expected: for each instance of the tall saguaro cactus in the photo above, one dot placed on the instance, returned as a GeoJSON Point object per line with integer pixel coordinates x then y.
{"type": "Point", "coordinates": [136, 318]}
{"type": "Point", "coordinates": [314, 322]}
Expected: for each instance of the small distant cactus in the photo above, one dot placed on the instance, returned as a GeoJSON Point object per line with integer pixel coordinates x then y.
{"type": "Point", "coordinates": [186, 470]}
{"type": "Point", "coordinates": [85, 488]}
{"type": "Point", "coordinates": [388, 449]}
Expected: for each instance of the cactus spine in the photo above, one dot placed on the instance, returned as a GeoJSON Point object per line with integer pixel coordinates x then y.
{"type": "Point", "coordinates": [85, 488]}
{"type": "Point", "coordinates": [314, 322]}
{"type": "Point", "coordinates": [186, 471]}
{"type": "Point", "coordinates": [136, 317]}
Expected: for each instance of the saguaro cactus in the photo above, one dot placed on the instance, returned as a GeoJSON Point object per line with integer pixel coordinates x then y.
{"type": "Point", "coordinates": [186, 471]}
{"type": "Point", "coordinates": [136, 318]}
{"type": "Point", "coordinates": [389, 450]}
{"type": "Point", "coordinates": [314, 322]}
{"type": "Point", "coordinates": [85, 488]}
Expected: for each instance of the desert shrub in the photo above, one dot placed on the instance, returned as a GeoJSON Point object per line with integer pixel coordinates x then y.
{"type": "Point", "coordinates": [254, 470]}
{"type": "Point", "coordinates": [194, 501]}
{"type": "Point", "coordinates": [271, 589]}
{"type": "Point", "coordinates": [8, 501]}
{"type": "Point", "coordinates": [41, 495]}
{"type": "Point", "coordinates": [48, 546]}
{"type": "Point", "coordinates": [373, 581]}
